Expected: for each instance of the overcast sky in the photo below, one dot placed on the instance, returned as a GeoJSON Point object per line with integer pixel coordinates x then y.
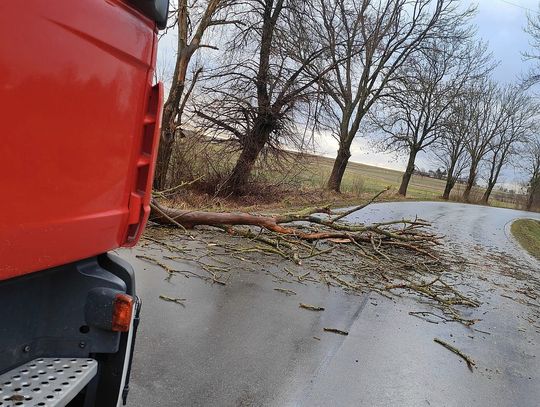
{"type": "Point", "coordinates": [499, 22]}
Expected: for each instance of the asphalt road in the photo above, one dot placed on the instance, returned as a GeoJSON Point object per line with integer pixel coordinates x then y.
{"type": "Point", "coordinates": [247, 345]}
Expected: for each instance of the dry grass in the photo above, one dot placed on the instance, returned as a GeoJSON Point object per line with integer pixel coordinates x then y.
{"type": "Point", "coordinates": [527, 233]}
{"type": "Point", "coordinates": [374, 179]}
{"type": "Point", "coordinates": [294, 180]}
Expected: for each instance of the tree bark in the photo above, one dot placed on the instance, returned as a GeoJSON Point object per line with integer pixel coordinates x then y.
{"type": "Point", "coordinates": [163, 160]}
{"type": "Point", "coordinates": [265, 122]}
{"type": "Point", "coordinates": [448, 189]}
{"type": "Point", "coordinates": [171, 106]}
{"type": "Point", "coordinates": [494, 175]}
{"type": "Point", "coordinates": [408, 173]}
{"type": "Point", "coordinates": [533, 192]}
{"type": "Point", "coordinates": [530, 201]}
{"type": "Point", "coordinates": [487, 193]}
{"type": "Point", "coordinates": [450, 182]}
{"type": "Point", "coordinates": [172, 117]}
{"type": "Point", "coordinates": [470, 184]}
{"type": "Point", "coordinates": [167, 136]}
{"type": "Point", "coordinates": [175, 104]}
{"type": "Point", "coordinates": [282, 224]}
{"type": "Point", "coordinates": [340, 165]}
{"type": "Point", "coordinates": [239, 177]}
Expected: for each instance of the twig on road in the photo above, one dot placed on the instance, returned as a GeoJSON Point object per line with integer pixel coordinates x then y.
{"type": "Point", "coordinates": [470, 363]}
{"type": "Point", "coordinates": [285, 291]}
{"type": "Point", "coordinates": [357, 208]}
{"type": "Point", "coordinates": [179, 301]}
{"type": "Point", "coordinates": [336, 331]}
{"type": "Point", "coordinates": [311, 307]}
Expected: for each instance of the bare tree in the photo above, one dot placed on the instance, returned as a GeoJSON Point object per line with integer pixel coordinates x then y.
{"type": "Point", "coordinates": [449, 149]}
{"type": "Point", "coordinates": [530, 164]}
{"type": "Point", "coordinates": [368, 41]}
{"type": "Point", "coordinates": [482, 103]}
{"type": "Point", "coordinates": [192, 21]}
{"type": "Point", "coordinates": [518, 112]}
{"type": "Point", "coordinates": [258, 93]}
{"type": "Point", "coordinates": [413, 112]}
{"type": "Point", "coordinates": [533, 29]}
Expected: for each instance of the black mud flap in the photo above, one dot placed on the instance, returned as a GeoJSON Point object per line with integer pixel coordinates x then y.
{"type": "Point", "coordinates": [43, 315]}
{"type": "Point", "coordinates": [135, 327]}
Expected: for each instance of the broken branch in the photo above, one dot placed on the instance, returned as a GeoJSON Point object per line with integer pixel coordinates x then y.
{"type": "Point", "coordinates": [470, 363]}
{"type": "Point", "coordinates": [311, 307]}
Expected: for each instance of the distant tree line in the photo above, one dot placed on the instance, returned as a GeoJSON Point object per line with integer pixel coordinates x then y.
{"type": "Point", "coordinates": [269, 74]}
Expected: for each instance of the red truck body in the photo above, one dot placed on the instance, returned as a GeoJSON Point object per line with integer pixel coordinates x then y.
{"type": "Point", "coordinates": [80, 120]}
{"type": "Point", "coordinates": [80, 123]}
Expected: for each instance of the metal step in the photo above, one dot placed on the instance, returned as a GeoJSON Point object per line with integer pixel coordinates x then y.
{"type": "Point", "coordinates": [46, 382]}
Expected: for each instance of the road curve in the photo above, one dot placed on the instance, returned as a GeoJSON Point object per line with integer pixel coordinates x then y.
{"type": "Point", "coordinates": [464, 225]}
{"type": "Point", "coordinates": [246, 345]}
{"type": "Point", "coordinates": [398, 362]}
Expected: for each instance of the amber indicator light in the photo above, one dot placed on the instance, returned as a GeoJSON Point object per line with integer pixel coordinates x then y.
{"type": "Point", "coordinates": [122, 312]}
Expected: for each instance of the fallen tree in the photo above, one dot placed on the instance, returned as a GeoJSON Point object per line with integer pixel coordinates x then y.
{"type": "Point", "coordinates": [392, 258]}
{"type": "Point", "coordinates": [407, 236]}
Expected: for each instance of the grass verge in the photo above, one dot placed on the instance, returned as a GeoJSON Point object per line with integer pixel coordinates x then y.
{"type": "Point", "coordinates": [298, 180]}
{"type": "Point", "coordinates": [527, 233]}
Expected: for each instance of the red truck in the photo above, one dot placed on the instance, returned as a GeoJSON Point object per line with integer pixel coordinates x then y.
{"type": "Point", "coordinates": [80, 121]}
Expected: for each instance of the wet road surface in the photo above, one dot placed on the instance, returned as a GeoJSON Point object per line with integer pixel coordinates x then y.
{"type": "Point", "coordinates": [247, 345]}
